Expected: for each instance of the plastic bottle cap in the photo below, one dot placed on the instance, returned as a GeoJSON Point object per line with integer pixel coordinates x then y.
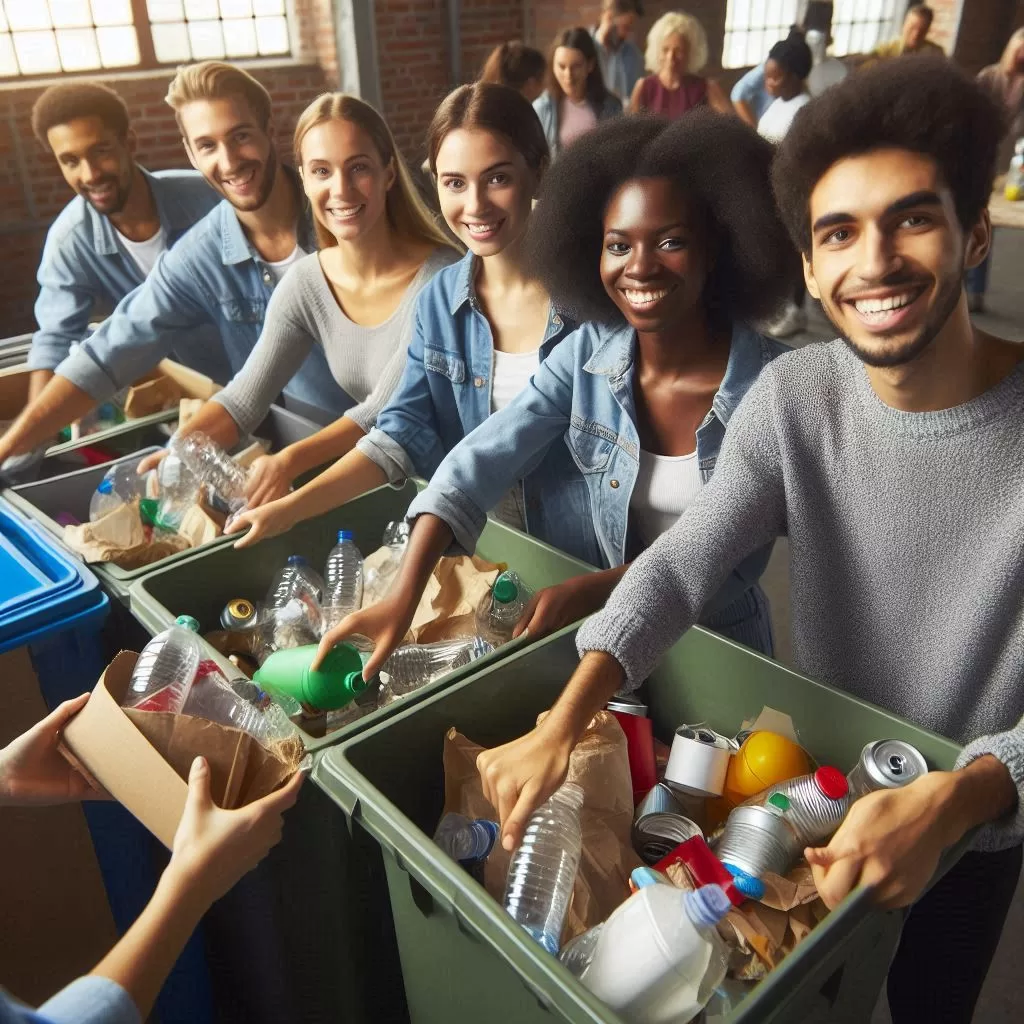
{"type": "Point", "coordinates": [148, 509]}
{"type": "Point", "coordinates": [106, 485]}
{"type": "Point", "coordinates": [746, 885]}
{"type": "Point", "coordinates": [344, 535]}
{"type": "Point", "coordinates": [779, 800]}
{"type": "Point", "coordinates": [505, 590]}
{"type": "Point", "coordinates": [707, 905]}
{"type": "Point", "coordinates": [296, 560]}
{"type": "Point", "coordinates": [645, 876]}
{"type": "Point", "coordinates": [187, 622]}
{"type": "Point", "coordinates": [832, 782]}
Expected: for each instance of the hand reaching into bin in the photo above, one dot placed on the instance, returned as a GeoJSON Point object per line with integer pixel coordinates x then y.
{"type": "Point", "coordinates": [267, 521]}
{"type": "Point", "coordinates": [562, 604]}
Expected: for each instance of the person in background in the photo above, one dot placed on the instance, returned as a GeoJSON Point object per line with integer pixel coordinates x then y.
{"type": "Point", "coordinates": [827, 70]}
{"type": "Point", "coordinates": [1004, 82]}
{"type": "Point", "coordinates": [576, 97]}
{"type": "Point", "coordinates": [677, 51]}
{"type": "Point", "coordinates": [353, 299]}
{"type": "Point", "coordinates": [891, 459]}
{"type": "Point", "coordinates": [105, 242]}
{"type": "Point", "coordinates": [517, 66]}
{"type": "Point", "coordinates": [482, 326]}
{"type": "Point", "coordinates": [622, 63]}
{"type": "Point", "coordinates": [750, 98]}
{"type": "Point", "coordinates": [212, 850]}
{"type": "Point", "coordinates": [913, 38]}
{"type": "Point", "coordinates": [664, 235]}
{"type": "Point", "coordinates": [220, 275]}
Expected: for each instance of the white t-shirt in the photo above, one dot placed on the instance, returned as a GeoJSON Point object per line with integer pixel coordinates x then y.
{"type": "Point", "coordinates": [280, 268]}
{"type": "Point", "coordinates": [512, 372]}
{"type": "Point", "coordinates": [145, 254]}
{"type": "Point", "coordinates": [665, 487]}
{"type": "Point", "coordinates": [775, 121]}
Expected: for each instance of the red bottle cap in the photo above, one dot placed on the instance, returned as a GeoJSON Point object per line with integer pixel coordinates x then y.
{"type": "Point", "coordinates": [832, 782]}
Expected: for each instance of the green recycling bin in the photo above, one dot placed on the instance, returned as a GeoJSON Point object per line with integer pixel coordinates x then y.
{"type": "Point", "coordinates": [460, 951]}
{"type": "Point", "coordinates": [202, 584]}
{"type": "Point", "coordinates": [51, 499]}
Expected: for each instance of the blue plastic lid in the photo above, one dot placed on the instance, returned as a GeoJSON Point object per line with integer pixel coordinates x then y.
{"type": "Point", "coordinates": [296, 560]}
{"type": "Point", "coordinates": [41, 587]}
{"type": "Point", "coordinates": [707, 905]}
{"type": "Point", "coordinates": [644, 876]}
{"type": "Point", "coordinates": [746, 885]}
{"type": "Point", "coordinates": [344, 535]}
{"type": "Point", "coordinates": [106, 485]}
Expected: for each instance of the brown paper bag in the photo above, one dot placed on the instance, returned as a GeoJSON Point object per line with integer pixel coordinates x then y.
{"type": "Point", "coordinates": [187, 408]}
{"type": "Point", "coordinates": [448, 606]}
{"type": "Point", "coordinates": [198, 527]}
{"type": "Point", "coordinates": [151, 396]}
{"type": "Point", "coordinates": [121, 538]}
{"type": "Point", "coordinates": [600, 765]}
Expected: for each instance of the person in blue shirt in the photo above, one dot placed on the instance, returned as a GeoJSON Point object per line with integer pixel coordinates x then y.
{"type": "Point", "coordinates": [622, 63]}
{"type": "Point", "coordinates": [221, 274]}
{"type": "Point", "coordinates": [213, 848]}
{"type": "Point", "coordinates": [482, 326]}
{"type": "Point", "coordinates": [108, 238]}
{"type": "Point", "coordinates": [664, 238]}
{"type": "Point", "coordinates": [750, 97]}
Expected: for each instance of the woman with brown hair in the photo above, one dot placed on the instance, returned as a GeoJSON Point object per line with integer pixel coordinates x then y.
{"type": "Point", "coordinates": [576, 97]}
{"type": "Point", "coordinates": [378, 246]}
{"type": "Point", "coordinates": [482, 327]}
{"type": "Point", "coordinates": [518, 66]}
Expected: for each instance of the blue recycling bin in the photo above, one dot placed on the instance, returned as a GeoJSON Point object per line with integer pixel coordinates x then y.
{"type": "Point", "coordinates": [53, 605]}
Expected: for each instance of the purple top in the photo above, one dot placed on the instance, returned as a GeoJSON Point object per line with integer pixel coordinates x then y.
{"type": "Point", "coordinates": [654, 97]}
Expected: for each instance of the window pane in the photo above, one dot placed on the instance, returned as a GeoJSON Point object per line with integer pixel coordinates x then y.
{"type": "Point", "coordinates": [3, 23]}
{"type": "Point", "coordinates": [119, 47]}
{"type": "Point", "coordinates": [8, 62]}
{"type": "Point", "coordinates": [240, 37]}
{"type": "Point", "coordinates": [272, 34]}
{"type": "Point", "coordinates": [263, 8]}
{"type": "Point", "coordinates": [37, 52]}
{"type": "Point", "coordinates": [235, 9]}
{"type": "Point", "coordinates": [206, 39]}
{"type": "Point", "coordinates": [773, 14]}
{"type": "Point", "coordinates": [112, 12]}
{"type": "Point", "coordinates": [78, 49]}
{"type": "Point", "coordinates": [841, 45]}
{"type": "Point", "coordinates": [27, 14]}
{"type": "Point", "coordinates": [70, 14]}
{"type": "Point", "coordinates": [873, 11]}
{"type": "Point", "coordinates": [170, 41]}
{"type": "Point", "coordinates": [165, 10]}
{"type": "Point", "coordinates": [857, 37]}
{"type": "Point", "coordinates": [200, 10]}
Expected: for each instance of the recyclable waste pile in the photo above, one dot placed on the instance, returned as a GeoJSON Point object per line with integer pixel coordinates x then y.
{"type": "Point", "coordinates": [725, 894]}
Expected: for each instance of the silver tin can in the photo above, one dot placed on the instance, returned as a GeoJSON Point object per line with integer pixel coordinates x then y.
{"type": "Point", "coordinates": [655, 836]}
{"type": "Point", "coordinates": [238, 613]}
{"type": "Point", "coordinates": [660, 800]}
{"type": "Point", "coordinates": [813, 815]}
{"type": "Point", "coordinates": [626, 705]}
{"type": "Point", "coordinates": [757, 839]}
{"type": "Point", "coordinates": [885, 764]}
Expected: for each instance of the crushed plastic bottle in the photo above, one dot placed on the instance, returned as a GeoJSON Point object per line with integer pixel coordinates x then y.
{"type": "Point", "coordinates": [343, 579]}
{"type": "Point", "coordinates": [293, 605]}
{"type": "Point", "coordinates": [121, 485]}
{"type": "Point", "coordinates": [178, 489]}
{"type": "Point", "coordinates": [212, 465]}
{"type": "Point", "coordinates": [502, 607]}
{"type": "Point", "coordinates": [377, 579]}
{"type": "Point", "coordinates": [466, 840]}
{"type": "Point", "coordinates": [166, 669]}
{"type": "Point", "coordinates": [542, 871]}
{"type": "Point", "coordinates": [413, 665]}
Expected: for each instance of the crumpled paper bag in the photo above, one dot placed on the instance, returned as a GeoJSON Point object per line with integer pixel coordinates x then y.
{"type": "Point", "coordinates": [187, 408]}
{"type": "Point", "coordinates": [448, 606]}
{"type": "Point", "coordinates": [241, 770]}
{"type": "Point", "coordinates": [198, 526]}
{"type": "Point", "coordinates": [151, 396]}
{"type": "Point", "coordinates": [120, 537]}
{"type": "Point", "coordinates": [600, 765]}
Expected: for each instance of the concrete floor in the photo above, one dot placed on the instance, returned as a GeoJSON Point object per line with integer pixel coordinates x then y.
{"type": "Point", "coordinates": [1002, 1000]}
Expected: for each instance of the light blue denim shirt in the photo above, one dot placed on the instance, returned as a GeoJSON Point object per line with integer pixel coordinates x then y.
{"type": "Point", "coordinates": [621, 68]}
{"type": "Point", "coordinates": [548, 113]}
{"type": "Point", "coordinates": [582, 396]}
{"type": "Point", "coordinates": [85, 271]}
{"type": "Point", "coordinates": [445, 390]}
{"type": "Point", "coordinates": [87, 1000]}
{"type": "Point", "coordinates": [213, 276]}
{"type": "Point", "coordinates": [750, 89]}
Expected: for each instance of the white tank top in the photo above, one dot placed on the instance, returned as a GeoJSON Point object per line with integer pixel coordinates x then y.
{"type": "Point", "coordinates": [665, 487]}
{"type": "Point", "coordinates": [512, 372]}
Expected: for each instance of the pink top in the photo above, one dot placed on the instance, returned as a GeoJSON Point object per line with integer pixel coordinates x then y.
{"type": "Point", "coordinates": [654, 97]}
{"type": "Point", "coordinates": [573, 120]}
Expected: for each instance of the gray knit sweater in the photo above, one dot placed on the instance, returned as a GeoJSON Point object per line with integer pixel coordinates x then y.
{"type": "Point", "coordinates": [366, 362]}
{"type": "Point", "coordinates": [906, 537]}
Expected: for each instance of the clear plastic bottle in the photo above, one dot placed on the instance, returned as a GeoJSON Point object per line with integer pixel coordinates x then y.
{"type": "Point", "coordinates": [343, 579]}
{"type": "Point", "coordinates": [293, 605]}
{"type": "Point", "coordinates": [1014, 187]}
{"type": "Point", "coordinates": [464, 839]}
{"type": "Point", "coordinates": [166, 669]}
{"type": "Point", "coordinates": [120, 485]}
{"type": "Point", "coordinates": [377, 579]}
{"type": "Point", "coordinates": [658, 957]}
{"type": "Point", "coordinates": [502, 607]}
{"type": "Point", "coordinates": [542, 871]}
{"type": "Point", "coordinates": [413, 665]}
{"type": "Point", "coordinates": [178, 489]}
{"type": "Point", "coordinates": [210, 464]}
{"type": "Point", "coordinates": [576, 954]}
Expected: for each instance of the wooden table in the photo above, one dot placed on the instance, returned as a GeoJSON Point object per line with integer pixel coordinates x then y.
{"type": "Point", "coordinates": [1004, 213]}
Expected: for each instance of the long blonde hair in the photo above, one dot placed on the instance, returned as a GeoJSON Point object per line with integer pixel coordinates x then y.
{"type": "Point", "coordinates": [676, 23]}
{"type": "Point", "coordinates": [406, 212]}
{"type": "Point", "coordinates": [1011, 45]}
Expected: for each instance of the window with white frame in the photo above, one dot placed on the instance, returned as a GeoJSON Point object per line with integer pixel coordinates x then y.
{"type": "Point", "coordinates": [858, 26]}
{"type": "Point", "coordinates": [45, 37]}
{"type": "Point", "coordinates": [753, 27]}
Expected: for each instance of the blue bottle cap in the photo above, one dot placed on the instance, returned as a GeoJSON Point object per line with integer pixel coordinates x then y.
{"type": "Point", "coordinates": [296, 560]}
{"type": "Point", "coordinates": [344, 535]}
{"type": "Point", "coordinates": [707, 905]}
{"type": "Point", "coordinates": [746, 885]}
{"type": "Point", "coordinates": [106, 485]}
{"type": "Point", "coordinates": [645, 876]}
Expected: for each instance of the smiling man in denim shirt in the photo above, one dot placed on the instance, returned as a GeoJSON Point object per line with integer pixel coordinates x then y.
{"type": "Point", "coordinates": [221, 273]}
{"type": "Point", "coordinates": [107, 239]}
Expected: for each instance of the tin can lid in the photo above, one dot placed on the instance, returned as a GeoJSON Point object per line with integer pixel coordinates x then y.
{"type": "Point", "coordinates": [832, 782]}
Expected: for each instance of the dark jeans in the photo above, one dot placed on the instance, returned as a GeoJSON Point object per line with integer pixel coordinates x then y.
{"type": "Point", "coordinates": [949, 939]}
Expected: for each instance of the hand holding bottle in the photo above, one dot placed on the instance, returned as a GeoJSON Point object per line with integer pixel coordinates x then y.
{"type": "Point", "coordinates": [270, 478]}
{"type": "Point", "coordinates": [270, 520]}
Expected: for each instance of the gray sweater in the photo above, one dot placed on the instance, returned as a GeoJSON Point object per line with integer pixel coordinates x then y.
{"type": "Point", "coordinates": [906, 534]}
{"type": "Point", "coordinates": [366, 362]}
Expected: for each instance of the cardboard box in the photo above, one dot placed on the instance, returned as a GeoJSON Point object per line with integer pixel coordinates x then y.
{"type": "Point", "coordinates": [147, 775]}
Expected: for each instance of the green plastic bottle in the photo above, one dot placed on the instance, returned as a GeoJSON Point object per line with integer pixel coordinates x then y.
{"type": "Point", "coordinates": [336, 683]}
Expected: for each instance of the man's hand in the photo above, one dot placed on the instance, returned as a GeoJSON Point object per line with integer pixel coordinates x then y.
{"type": "Point", "coordinates": [385, 623]}
{"type": "Point", "coordinates": [519, 776]}
{"type": "Point", "coordinates": [270, 478]}
{"type": "Point", "coordinates": [892, 840]}
{"type": "Point", "coordinates": [32, 769]}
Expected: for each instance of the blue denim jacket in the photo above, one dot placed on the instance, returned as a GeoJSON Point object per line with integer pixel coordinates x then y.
{"type": "Point", "coordinates": [582, 396]}
{"type": "Point", "coordinates": [86, 1000]}
{"type": "Point", "coordinates": [85, 271]}
{"type": "Point", "coordinates": [445, 390]}
{"type": "Point", "coordinates": [213, 276]}
{"type": "Point", "coordinates": [548, 113]}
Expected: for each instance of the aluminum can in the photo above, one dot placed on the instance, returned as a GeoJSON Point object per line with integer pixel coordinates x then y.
{"type": "Point", "coordinates": [756, 840]}
{"type": "Point", "coordinates": [238, 613]}
{"type": "Point", "coordinates": [626, 705]}
{"type": "Point", "coordinates": [817, 804]}
{"type": "Point", "coordinates": [656, 835]}
{"type": "Point", "coordinates": [885, 764]}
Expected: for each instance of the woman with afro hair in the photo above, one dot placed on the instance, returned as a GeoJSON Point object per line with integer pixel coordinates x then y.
{"type": "Point", "coordinates": [664, 237]}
